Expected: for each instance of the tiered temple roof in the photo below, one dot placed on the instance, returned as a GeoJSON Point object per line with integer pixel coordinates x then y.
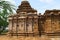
{"type": "Point", "coordinates": [25, 7]}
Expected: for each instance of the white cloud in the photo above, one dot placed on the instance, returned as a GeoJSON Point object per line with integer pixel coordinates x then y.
{"type": "Point", "coordinates": [47, 1]}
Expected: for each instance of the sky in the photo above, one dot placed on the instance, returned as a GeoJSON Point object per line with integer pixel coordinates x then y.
{"type": "Point", "coordinates": [40, 5]}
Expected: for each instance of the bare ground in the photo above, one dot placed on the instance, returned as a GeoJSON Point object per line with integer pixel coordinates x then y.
{"type": "Point", "coordinates": [5, 37]}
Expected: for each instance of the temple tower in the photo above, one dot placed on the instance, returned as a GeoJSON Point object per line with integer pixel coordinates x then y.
{"type": "Point", "coordinates": [25, 22]}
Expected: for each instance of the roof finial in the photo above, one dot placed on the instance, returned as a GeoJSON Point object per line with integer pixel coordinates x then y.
{"type": "Point", "coordinates": [24, 0]}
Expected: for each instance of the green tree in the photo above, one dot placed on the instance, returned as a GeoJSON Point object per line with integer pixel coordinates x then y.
{"type": "Point", "coordinates": [6, 9]}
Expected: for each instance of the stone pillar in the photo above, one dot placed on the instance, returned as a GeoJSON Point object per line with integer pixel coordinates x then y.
{"type": "Point", "coordinates": [36, 32]}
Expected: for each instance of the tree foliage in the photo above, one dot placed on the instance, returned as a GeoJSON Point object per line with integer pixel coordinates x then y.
{"type": "Point", "coordinates": [6, 9]}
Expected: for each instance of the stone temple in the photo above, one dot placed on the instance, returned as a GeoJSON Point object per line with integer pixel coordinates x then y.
{"type": "Point", "coordinates": [28, 23]}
